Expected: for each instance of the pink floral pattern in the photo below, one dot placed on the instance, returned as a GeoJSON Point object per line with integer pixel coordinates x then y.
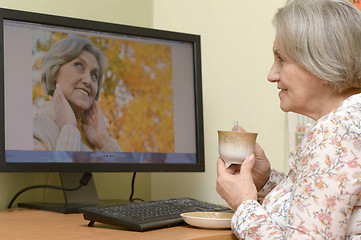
{"type": "Point", "coordinates": [320, 196]}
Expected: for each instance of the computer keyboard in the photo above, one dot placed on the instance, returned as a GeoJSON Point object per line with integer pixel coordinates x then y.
{"type": "Point", "coordinates": [146, 215]}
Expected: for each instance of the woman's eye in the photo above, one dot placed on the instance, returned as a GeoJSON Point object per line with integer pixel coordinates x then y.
{"type": "Point", "coordinates": [280, 59]}
{"type": "Point", "coordinates": [78, 65]}
{"type": "Point", "coordinates": [94, 76]}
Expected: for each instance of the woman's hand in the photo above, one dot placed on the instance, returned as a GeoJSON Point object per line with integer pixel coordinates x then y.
{"type": "Point", "coordinates": [94, 128]}
{"type": "Point", "coordinates": [262, 167]}
{"type": "Point", "coordinates": [235, 184]}
{"type": "Point", "coordinates": [64, 114]}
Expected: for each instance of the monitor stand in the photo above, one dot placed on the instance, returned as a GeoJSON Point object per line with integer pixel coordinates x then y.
{"type": "Point", "coordinates": [84, 197]}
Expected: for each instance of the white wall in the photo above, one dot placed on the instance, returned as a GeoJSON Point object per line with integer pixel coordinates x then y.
{"type": "Point", "coordinates": [132, 12]}
{"type": "Point", "coordinates": [236, 39]}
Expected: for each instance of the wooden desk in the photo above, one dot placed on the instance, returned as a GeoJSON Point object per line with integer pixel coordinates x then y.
{"type": "Point", "coordinates": [36, 224]}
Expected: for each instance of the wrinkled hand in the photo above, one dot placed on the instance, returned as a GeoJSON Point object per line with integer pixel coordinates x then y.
{"type": "Point", "coordinates": [64, 114]}
{"type": "Point", "coordinates": [94, 128]}
{"type": "Point", "coordinates": [235, 184]}
{"type": "Point", "coordinates": [262, 167]}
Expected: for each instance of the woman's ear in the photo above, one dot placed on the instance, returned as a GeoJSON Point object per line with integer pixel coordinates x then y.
{"type": "Point", "coordinates": [325, 82]}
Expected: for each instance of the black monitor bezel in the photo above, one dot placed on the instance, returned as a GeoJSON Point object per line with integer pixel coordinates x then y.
{"type": "Point", "coordinates": [61, 21]}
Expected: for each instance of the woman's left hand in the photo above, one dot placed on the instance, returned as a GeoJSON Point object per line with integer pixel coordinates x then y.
{"type": "Point", "coordinates": [94, 126]}
{"type": "Point", "coordinates": [235, 184]}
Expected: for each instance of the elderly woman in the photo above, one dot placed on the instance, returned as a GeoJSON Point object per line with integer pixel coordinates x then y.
{"type": "Point", "coordinates": [317, 69]}
{"type": "Point", "coordinates": [72, 121]}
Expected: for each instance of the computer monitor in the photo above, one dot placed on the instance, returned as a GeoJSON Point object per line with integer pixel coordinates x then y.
{"type": "Point", "coordinates": [150, 98]}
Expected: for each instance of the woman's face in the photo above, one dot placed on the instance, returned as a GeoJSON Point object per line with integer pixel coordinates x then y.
{"type": "Point", "coordinates": [78, 80]}
{"type": "Point", "coordinates": [300, 91]}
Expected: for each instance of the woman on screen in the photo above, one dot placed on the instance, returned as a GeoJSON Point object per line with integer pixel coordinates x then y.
{"type": "Point", "coordinates": [72, 120]}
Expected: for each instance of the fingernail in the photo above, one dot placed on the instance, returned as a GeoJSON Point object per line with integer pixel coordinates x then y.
{"type": "Point", "coordinates": [251, 158]}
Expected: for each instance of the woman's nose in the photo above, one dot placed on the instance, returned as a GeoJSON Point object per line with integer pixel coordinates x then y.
{"type": "Point", "coordinates": [86, 78]}
{"type": "Point", "coordinates": [273, 75]}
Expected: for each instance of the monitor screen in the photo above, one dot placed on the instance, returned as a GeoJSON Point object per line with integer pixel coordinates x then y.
{"type": "Point", "coordinates": [87, 96]}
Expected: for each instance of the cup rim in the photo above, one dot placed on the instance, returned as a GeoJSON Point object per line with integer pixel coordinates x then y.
{"type": "Point", "coordinates": [236, 132]}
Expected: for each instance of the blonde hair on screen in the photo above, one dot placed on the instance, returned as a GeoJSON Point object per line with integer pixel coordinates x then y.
{"type": "Point", "coordinates": [65, 51]}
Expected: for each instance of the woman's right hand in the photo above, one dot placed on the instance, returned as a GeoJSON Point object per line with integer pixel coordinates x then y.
{"type": "Point", "coordinates": [262, 167]}
{"type": "Point", "coordinates": [64, 114]}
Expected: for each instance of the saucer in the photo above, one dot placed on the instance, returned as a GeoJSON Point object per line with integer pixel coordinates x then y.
{"type": "Point", "coordinates": [215, 220]}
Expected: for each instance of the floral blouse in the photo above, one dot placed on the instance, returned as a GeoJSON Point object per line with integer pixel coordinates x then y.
{"type": "Point", "coordinates": [319, 197]}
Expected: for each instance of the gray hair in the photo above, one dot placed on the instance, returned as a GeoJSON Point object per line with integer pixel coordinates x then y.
{"type": "Point", "coordinates": [323, 36]}
{"type": "Point", "coordinates": [65, 51]}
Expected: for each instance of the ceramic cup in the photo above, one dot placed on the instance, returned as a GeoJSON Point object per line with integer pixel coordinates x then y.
{"type": "Point", "coordinates": [234, 147]}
